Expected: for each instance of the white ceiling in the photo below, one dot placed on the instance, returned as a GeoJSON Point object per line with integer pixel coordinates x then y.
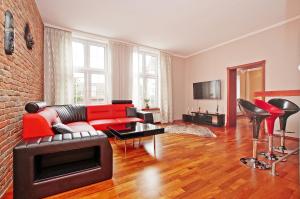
{"type": "Point", "coordinates": [181, 27]}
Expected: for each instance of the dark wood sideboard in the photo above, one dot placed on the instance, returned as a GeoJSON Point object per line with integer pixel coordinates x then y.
{"type": "Point", "coordinates": [213, 119]}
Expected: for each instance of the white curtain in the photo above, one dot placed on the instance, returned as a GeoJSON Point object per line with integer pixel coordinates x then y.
{"type": "Point", "coordinates": [137, 92]}
{"type": "Point", "coordinates": [58, 67]}
{"type": "Point", "coordinates": [121, 57]}
{"type": "Point", "coordinates": [166, 88]}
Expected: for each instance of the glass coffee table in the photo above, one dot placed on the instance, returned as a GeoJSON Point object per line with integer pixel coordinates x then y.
{"type": "Point", "coordinates": [136, 130]}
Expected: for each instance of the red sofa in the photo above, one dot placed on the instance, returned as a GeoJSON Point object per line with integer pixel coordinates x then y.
{"type": "Point", "coordinates": [39, 122]}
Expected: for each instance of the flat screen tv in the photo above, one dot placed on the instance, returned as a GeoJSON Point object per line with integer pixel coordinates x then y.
{"type": "Point", "coordinates": [207, 90]}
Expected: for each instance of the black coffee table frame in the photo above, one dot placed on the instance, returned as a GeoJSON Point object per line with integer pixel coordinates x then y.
{"type": "Point", "coordinates": [137, 130]}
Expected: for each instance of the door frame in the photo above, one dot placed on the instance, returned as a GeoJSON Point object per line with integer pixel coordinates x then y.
{"type": "Point", "coordinates": [231, 88]}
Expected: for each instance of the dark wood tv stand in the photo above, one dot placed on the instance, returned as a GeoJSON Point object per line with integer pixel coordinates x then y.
{"type": "Point", "coordinates": [214, 119]}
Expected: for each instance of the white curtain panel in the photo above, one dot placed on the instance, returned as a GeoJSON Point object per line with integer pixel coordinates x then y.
{"type": "Point", "coordinates": [121, 58]}
{"type": "Point", "coordinates": [136, 89]}
{"type": "Point", "coordinates": [166, 88]}
{"type": "Point", "coordinates": [58, 71]}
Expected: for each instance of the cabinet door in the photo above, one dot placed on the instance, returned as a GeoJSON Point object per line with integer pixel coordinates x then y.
{"type": "Point", "coordinates": [214, 120]}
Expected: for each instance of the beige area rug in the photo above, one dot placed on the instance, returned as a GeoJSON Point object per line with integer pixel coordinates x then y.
{"type": "Point", "coordinates": [189, 129]}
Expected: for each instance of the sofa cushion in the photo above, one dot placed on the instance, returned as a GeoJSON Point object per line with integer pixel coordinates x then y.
{"type": "Point", "coordinates": [128, 120]}
{"type": "Point", "coordinates": [131, 112]}
{"type": "Point", "coordinates": [110, 111]}
{"type": "Point", "coordinates": [39, 124]}
{"type": "Point", "coordinates": [61, 128]}
{"type": "Point", "coordinates": [50, 115]}
{"type": "Point", "coordinates": [99, 112]}
{"type": "Point", "coordinates": [103, 124]}
{"type": "Point", "coordinates": [80, 126]}
{"type": "Point", "coordinates": [71, 113]}
{"type": "Point", "coordinates": [119, 110]}
{"type": "Point", "coordinates": [104, 121]}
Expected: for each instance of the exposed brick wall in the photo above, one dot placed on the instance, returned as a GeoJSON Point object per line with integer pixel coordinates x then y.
{"type": "Point", "coordinates": [21, 79]}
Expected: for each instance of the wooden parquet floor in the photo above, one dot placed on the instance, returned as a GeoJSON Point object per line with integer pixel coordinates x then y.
{"type": "Point", "coordinates": [188, 166]}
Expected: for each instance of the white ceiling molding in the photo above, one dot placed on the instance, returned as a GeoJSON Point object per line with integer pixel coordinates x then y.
{"type": "Point", "coordinates": [181, 28]}
{"type": "Point", "coordinates": [102, 38]}
{"type": "Point", "coordinates": [95, 37]}
{"type": "Point", "coordinates": [245, 36]}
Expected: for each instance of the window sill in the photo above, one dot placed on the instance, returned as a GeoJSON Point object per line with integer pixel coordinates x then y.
{"type": "Point", "coordinates": [150, 109]}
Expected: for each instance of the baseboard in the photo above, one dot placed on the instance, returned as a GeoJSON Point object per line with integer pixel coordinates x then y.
{"type": "Point", "coordinates": [177, 120]}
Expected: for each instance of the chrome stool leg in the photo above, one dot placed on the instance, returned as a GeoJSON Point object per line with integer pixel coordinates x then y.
{"type": "Point", "coordinates": [289, 109]}
{"type": "Point", "coordinates": [253, 162]}
{"type": "Point", "coordinates": [282, 148]}
{"type": "Point", "coordinates": [270, 154]}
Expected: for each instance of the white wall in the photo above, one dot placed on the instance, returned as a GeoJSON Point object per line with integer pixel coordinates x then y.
{"type": "Point", "coordinates": [178, 87]}
{"type": "Point", "coordinates": [280, 47]}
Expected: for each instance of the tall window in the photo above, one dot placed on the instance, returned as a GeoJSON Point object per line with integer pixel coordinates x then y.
{"type": "Point", "coordinates": [89, 64]}
{"type": "Point", "coordinates": [147, 80]}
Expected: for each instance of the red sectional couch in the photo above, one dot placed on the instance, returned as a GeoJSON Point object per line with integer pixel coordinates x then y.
{"type": "Point", "coordinates": [77, 156]}
{"type": "Point", "coordinates": [101, 117]}
{"type": "Point", "coordinates": [78, 118]}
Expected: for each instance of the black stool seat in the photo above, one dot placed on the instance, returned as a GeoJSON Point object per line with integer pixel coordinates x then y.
{"type": "Point", "coordinates": [251, 110]}
{"type": "Point", "coordinates": [256, 115]}
{"type": "Point", "coordinates": [289, 108]}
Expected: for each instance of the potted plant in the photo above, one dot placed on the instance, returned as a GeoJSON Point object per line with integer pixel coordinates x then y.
{"type": "Point", "coordinates": [147, 100]}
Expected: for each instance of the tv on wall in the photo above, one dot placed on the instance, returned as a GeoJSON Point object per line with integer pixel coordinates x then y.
{"type": "Point", "coordinates": [207, 90]}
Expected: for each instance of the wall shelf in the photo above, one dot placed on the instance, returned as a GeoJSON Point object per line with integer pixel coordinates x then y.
{"type": "Point", "coordinates": [213, 119]}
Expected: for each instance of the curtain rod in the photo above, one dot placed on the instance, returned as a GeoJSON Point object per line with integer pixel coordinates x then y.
{"type": "Point", "coordinates": [107, 38]}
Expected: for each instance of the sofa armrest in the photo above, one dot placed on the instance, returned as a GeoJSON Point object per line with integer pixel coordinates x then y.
{"type": "Point", "coordinates": [37, 124]}
{"type": "Point", "coordinates": [62, 162]}
{"type": "Point", "coordinates": [146, 116]}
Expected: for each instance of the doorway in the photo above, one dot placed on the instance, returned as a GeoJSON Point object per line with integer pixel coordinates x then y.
{"type": "Point", "coordinates": [242, 82]}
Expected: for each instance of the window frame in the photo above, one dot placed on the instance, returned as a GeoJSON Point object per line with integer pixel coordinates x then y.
{"type": "Point", "coordinates": [144, 75]}
{"type": "Point", "coordinates": [87, 70]}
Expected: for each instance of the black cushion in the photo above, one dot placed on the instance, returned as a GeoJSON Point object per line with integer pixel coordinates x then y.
{"type": "Point", "coordinates": [71, 113]}
{"type": "Point", "coordinates": [131, 112]}
{"type": "Point", "coordinates": [146, 116]}
{"type": "Point", "coordinates": [61, 128]}
{"type": "Point", "coordinates": [121, 101]}
{"type": "Point", "coordinates": [34, 107]}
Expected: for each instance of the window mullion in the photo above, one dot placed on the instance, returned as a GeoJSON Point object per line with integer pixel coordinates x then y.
{"type": "Point", "coordinates": [149, 77]}
{"type": "Point", "coordinates": [87, 73]}
{"type": "Point", "coordinates": [144, 78]}
{"type": "Point", "coordinates": [105, 71]}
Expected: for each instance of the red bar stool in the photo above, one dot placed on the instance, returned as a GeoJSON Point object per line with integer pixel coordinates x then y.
{"type": "Point", "coordinates": [256, 116]}
{"type": "Point", "coordinates": [274, 113]}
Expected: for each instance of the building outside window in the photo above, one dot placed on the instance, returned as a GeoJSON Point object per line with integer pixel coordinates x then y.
{"type": "Point", "coordinates": [89, 66]}
{"type": "Point", "coordinates": [146, 72]}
